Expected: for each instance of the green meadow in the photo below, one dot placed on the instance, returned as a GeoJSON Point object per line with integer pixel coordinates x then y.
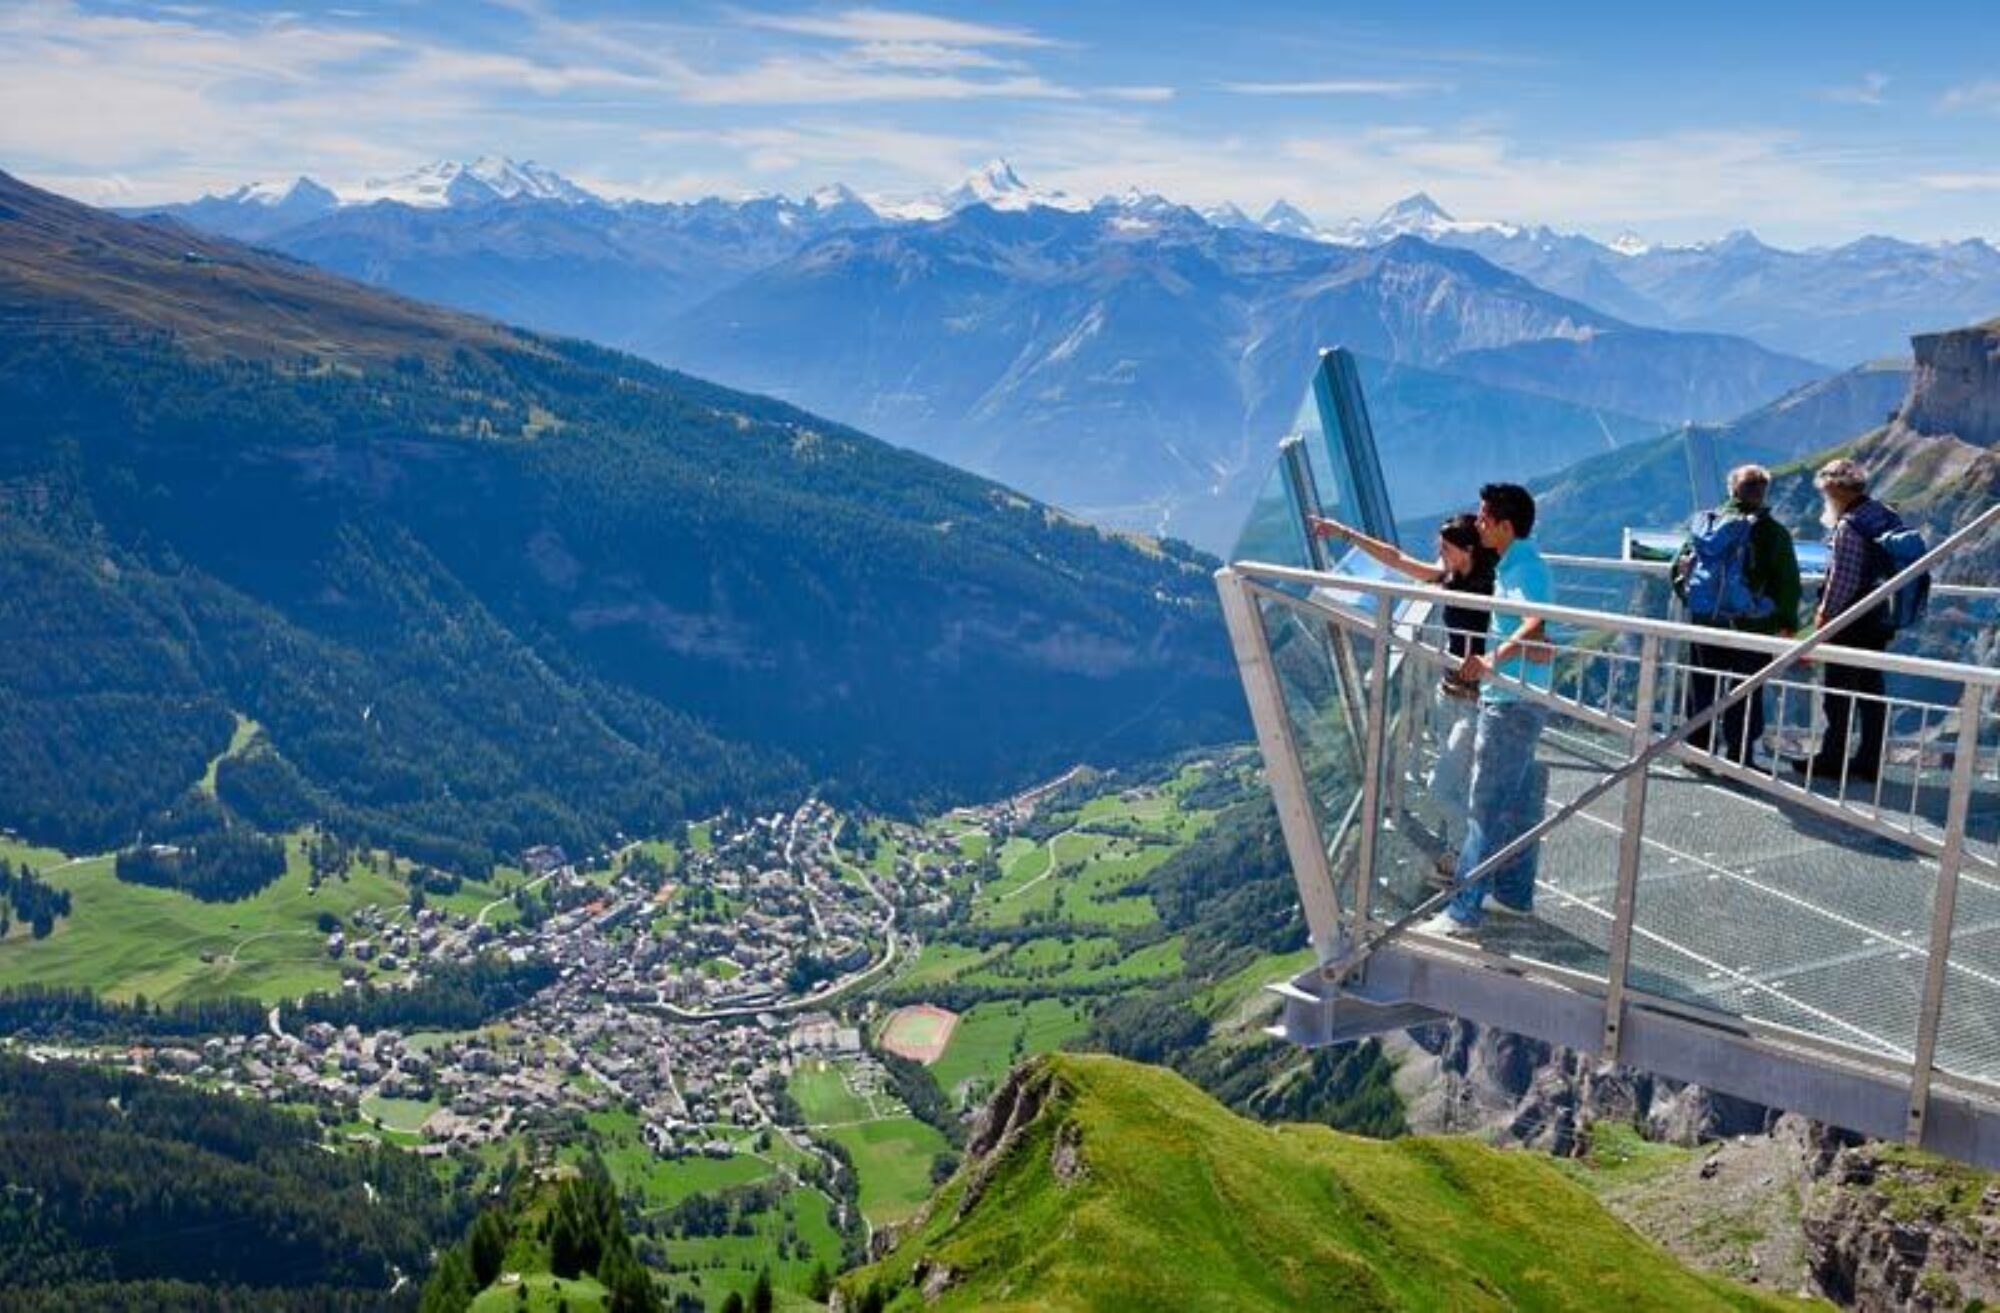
{"type": "Point", "coordinates": [124, 940]}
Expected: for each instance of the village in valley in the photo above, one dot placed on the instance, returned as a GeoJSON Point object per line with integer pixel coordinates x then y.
{"type": "Point", "coordinates": [721, 1010]}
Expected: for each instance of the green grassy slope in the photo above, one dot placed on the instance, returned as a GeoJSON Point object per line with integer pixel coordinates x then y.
{"type": "Point", "coordinates": [1123, 1187]}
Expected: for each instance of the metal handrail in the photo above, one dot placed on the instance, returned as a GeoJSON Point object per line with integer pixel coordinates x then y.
{"type": "Point", "coordinates": [1573, 561]}
{"type": "Point", "coordinates": [1873, 820]}
{"type": "Point", "coordinates": [1863, 658]}
{"type": "Point", "coordinates": [1749, 687]}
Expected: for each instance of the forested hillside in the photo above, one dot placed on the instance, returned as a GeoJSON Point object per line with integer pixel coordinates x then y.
{"type": "Point", "coordinates": [122, 1191]}
{"type": "Point", "coordinates": [482, 589]}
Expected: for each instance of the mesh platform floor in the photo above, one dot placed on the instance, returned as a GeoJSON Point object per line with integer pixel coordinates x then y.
{"type": "Point", "coordinates": [1748, 907]}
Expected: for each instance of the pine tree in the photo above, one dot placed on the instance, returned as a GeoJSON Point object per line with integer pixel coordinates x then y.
{"type": "Point", "coordinates": [450, 1289]}
{"type": "Point", "coordinates": [488, 1247]}
{"type": "Point", "coordinates": [760, 1294]}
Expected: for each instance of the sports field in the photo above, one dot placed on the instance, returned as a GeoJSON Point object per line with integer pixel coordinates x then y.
{"type": "Point", "coordinates": [919, 1033]}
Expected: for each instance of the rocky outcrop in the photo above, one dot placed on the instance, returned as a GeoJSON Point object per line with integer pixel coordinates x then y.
{"type": "Point", "coordinates": [1956, 389]}
{"type": "Point", "coordinates": [1459, 1077]}
{"type": "Point", "coordinates": [1887, 1228]}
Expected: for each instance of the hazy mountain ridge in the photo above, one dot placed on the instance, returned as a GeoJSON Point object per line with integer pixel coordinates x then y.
{"type": "Point", "coordinates": [1836, 305]}
{"type": "Point", "coordinates": [1130, 358]}
{"type": "Point", "coordinates": [1137, 370]}
{"type": "Point", "coordinates": [1931, 452]}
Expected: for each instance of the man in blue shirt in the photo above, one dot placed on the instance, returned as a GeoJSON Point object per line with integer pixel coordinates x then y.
{"type": "Point", "coordinates": [1508, 785]}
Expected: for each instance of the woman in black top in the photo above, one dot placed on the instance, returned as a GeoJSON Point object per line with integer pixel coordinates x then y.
{"type": "Point", "coordinates": [1463, 565]}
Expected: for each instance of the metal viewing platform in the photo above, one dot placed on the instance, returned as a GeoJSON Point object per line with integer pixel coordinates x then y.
{"type": "Point", "coordinates": [1825, 945]}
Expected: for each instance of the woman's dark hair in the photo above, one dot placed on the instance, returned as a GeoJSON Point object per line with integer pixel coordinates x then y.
{"type": "Point", "coordinates": [1512, 503]}
{"type": "Point", "coordinates": [1461, 531]}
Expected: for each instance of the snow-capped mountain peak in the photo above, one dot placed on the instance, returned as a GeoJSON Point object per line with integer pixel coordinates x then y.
{"type": "Point", "coordinates": [526, 179]}
{"type": "Point", "coordinates": [299, 192]}
{"type": "Point", "coordinates": [1228, 215]}
{"type": "Point", "coordinates": [1419, 215]}
{"type": "Point", "coordinates": [488, 178]}
{"type": "Point", "coordinates": [1414, 213]}
{"type": "Point", "coordinates": [994, 179]}
{"type": "Point", "coordinates": [835, 196]}
{"type": "Point", "coordinates": [995, 184]}
{"type": "Point", "coordinates": [1629, 243]}
{"type": "Point", "coordinates": [1288, 220]}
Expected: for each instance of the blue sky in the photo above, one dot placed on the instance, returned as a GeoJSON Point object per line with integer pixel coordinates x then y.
{"type": "Point", "coordinates": [1809, 123]}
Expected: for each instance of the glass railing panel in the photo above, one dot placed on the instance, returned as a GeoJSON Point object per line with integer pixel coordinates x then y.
{"type": "Point", "coordinates": [1313, 674]}
{"type": "Point", "coordinates": [1428, 737]}
{"type": "Point", "coordinates": [1341, 447]}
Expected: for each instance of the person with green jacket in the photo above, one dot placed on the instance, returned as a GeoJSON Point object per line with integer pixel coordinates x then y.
{"type": "Point", "coordinates": [1738, 570]}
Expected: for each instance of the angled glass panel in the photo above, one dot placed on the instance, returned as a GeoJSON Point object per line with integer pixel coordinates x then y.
{"type": "Point", "coordinates": [1274, 531]}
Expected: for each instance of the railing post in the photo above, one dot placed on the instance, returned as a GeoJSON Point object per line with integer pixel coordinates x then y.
{"type": "Point", "coordinates": [1371, 761]}
{"type": "Point", "coordinates": [1304, 843]}
{"type": "Point", "coordinates": [1944, 905]}
{"type": "Point", "coordinates": [1631, 838]}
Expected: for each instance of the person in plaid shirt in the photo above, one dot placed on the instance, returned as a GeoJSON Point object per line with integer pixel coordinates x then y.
{"type": "Point", "coordinates": [1854, 566]}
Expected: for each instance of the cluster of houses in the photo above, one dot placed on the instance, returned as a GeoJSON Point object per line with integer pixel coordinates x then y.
{"type": "Point", "coordinates": [678, 995]}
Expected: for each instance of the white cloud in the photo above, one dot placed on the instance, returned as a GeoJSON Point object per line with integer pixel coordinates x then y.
{"type": "Point", "coordinates": [1960, 182]}
{"type": "Point", "coordinates": [818, 150]}
{"type": "Point", "coordinates": [1974, 95]}
{"type": "Point", "coordinates": [1336, 87]}
{"type": "Point", "coordinates": [1138, 95]}
{"type": "Point", "coordinates": [790, 80]}
{"type": "Point", "coordinates": [1868, 91]}
{"type": "Point", "coordinates": [896, 26]}
{"type": "Point", "coordinates": [881, 55]}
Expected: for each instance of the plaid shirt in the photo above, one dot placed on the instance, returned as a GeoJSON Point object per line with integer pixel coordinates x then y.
{"type": "Point", "coordinates": [1851, 569]}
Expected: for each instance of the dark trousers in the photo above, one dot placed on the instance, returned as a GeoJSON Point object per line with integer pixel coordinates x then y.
{"type": "Point", "coordinates": [1843, 711]}
{"type": "Point", "coordinates": [1714, 673]}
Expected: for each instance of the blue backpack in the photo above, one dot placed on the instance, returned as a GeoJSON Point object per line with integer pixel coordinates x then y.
{"type": "Point", "coordinates": [1714, 574]}
{"type": "Point", "coordinates": [1896, 550]}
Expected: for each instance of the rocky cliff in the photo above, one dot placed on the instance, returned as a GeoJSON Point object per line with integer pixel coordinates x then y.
{"type": "Point", "coordinates": [1457, 1077]}
{"type": "Point", "coordinates": [1889, 1228]}
{"type": "Point", "coordinates": [1956, 389]}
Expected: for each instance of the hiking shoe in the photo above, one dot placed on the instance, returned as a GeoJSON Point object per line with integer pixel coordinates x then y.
{"type": "Point", "coordinates": [1829, 772]}
{"type": "Point", "coordinates": [1445, 926]}
{"type": "Point", "coordinates": [1501, 907]}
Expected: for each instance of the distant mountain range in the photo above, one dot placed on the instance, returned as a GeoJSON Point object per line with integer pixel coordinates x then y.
{"type": "Point", "coordinates": [482, 589]}
{"type": "Point", "coordinates": [1130, 358]}
{"type": "Point", "coordinates": [1139, 367]}
{"type": "Point", "coordinates": [1837, 305]}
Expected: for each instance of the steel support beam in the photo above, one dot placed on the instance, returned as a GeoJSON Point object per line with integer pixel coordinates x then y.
{"type": "Point", "coordinates": [1944, 906]}
{"type": "Point", "coordinates": [1372, 768]}
{"type": "Point", "coordinates": [1718, 1056]}
{"type": "Point", "coordinates": [1631, 837]}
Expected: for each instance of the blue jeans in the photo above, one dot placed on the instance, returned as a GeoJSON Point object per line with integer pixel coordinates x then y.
{"type": "Point", "coordinates": [1507, 799]}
